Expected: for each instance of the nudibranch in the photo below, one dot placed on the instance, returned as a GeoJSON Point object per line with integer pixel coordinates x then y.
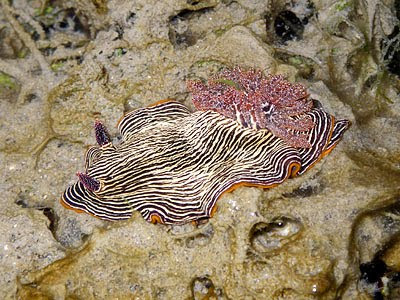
{"type": "Point", "coordinates": [172, 165]}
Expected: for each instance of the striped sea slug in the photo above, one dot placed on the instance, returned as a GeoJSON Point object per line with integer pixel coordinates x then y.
{"type": "Point", "coordinates": [173, 165]}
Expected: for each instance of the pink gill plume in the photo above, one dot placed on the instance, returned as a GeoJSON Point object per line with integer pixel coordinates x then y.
{"type": "Point", "coordinates": [259, 102]}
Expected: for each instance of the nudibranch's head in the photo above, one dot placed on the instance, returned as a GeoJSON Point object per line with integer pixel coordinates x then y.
{"type": "Point", "coordinates": [95, 187]}
{"type": "Point", "coordinates": [257, 101]}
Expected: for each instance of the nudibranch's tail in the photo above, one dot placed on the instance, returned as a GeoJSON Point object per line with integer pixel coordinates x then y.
{"type": "Point", "coordinates": [80, 199]}
{"type": "Point", "coordinates": [338, 130]}
{"type": "Point", "coordinates": [323, 137]}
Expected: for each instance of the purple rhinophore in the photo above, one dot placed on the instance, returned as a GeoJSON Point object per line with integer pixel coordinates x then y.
{"type": "Point", "coordinates": [90, 183]}
{"type": "Point", "coordinates": [102, 136]}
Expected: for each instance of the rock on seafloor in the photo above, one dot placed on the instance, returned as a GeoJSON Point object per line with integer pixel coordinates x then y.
{"type": "Point", "coordinates": [318, 236]}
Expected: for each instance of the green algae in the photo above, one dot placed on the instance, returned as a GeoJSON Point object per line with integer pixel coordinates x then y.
{"type": "Point", "coordinates": [9, 87]}
{"type": "Point", "coordinates": [7, 82]}
{"type": "Point", "coordinates": [230, 83]}
{"type": "Point", "coordinates": [343, 4]}
{"type": "Point", "coordinates": [56, 66]}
